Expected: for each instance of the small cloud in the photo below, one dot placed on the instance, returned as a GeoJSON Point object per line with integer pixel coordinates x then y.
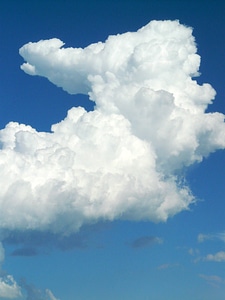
{"type": "Point", "coordinates": [218, 257]}
{"type": "Point", "coordinates": [167, 266]}
{"type": "Point", "coordinates": [216, 236]}
{"type": "Point", "coordinates": [32, 241]}
{"type": "Point", "coordinates": [163, 267]}
{"type": "Point", "coordinates": [193, 251]}
{"type": "Point", "coordinates": [204, 237]}
{"type": "Point", "coordinates": [212, 280]}
{"type": "Point", "coordinates": [146, 241]}
{"type": "Point", "coordinates": [34, 293]}
{"type": "Point", "coordinates": [50, 295]}
{"type": "Point", "coordinates": [25, 252]}
{"type": "Point", "coordinates": [221, 236]}
{"type": "Point", "coordinates": [9, 289]}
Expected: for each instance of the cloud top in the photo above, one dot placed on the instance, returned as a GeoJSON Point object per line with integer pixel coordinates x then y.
{"type": "Point", "coordinates": [9, 289]}
{"type": "Point", "coordinates": [120, 160]}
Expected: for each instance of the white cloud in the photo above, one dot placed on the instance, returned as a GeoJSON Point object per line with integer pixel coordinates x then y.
{"type": "Point", "coordinates": [9, 288]}
{"type": "Point", "coordinates": [204, 237]}
{"type": "Point", "coordinates": [218, 257]}
{"type": "Point", "coordinates": [221, 236]}
{"type": "Point", "coordinates": [50, 295]}
{"type": "Point", "coordinates": [193, 251]}
{"type": "Point", "coordinates": [118, 161]}
{"type": "Point", "coordinates": [31, 292]}
{"type": "Point", "coordinates": [216, 236]}
{"type": "Point", "coordinates": [212, 280]}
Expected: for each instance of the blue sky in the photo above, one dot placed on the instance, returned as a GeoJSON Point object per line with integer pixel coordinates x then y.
{"type": "Point", "coordinates": [111, 259]}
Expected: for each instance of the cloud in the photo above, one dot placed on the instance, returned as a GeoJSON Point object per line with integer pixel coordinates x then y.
{"type": "Point", "coordinates": [221, 236]}
{"type": "Point", "coordinates": [218, 257]}
{"type": "Point", "coordinates": [32, 242]}
{"type": "Point", "coordinates": [216, 236]}
{"type": "Point", "coordinates": [146, 241]}
{"type": "Point", "coordinates": [203, 237]}
{"type": "Point", "coordinates": [119, 161]}
{"type": "Point", "coordinates": [193, 251]}
{"type": "Point", "coordinates": [34, 293]}
{"type": "Point", "coordinates": [50, 295]}
{"type": "Point", "coordinates": [9, 288]}
{"type": "Point", "coordinates": [212, 280]}
{"type": "Point", "coordinates": [24, 252]}
{"type": "Point", "coordinates": [167, 266]}
{"type": "Point", "coordinates": [2, 254]}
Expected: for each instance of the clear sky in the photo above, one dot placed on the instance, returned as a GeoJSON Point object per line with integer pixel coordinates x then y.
{"type": "Point", "coordinates": [126, 201]}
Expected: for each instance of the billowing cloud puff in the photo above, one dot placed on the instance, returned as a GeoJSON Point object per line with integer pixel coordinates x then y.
{"type": "Point", "coordinates": [9, 288]}
{"type": "Point", "coordinates": [120, 160]}
{"type": "Point", "coordinates": [218, 257]}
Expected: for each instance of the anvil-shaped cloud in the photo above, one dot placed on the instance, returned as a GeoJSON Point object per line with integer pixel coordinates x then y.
{"type": "Point", "coordinates": [120, 160]}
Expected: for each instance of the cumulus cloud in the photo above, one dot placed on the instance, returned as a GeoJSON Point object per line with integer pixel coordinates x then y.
{"type": "Point", "coordinates": [120, 160]}
{"type": "Point", "coordinates": [9, 288]}
{"type": "Point", "coordinates": [217, 257]}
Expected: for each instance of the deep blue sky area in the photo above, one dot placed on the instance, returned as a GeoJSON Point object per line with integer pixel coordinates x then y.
{"type": "Point", "coordinates": [117, 260]}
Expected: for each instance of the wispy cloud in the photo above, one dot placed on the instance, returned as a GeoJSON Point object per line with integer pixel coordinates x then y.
{"type": "Point", "coordinates": [50, 295]}
{"type": "Point", "coordinates": [212, 280]}
{"type": "Point", "coordinates": [32, 242]}
{"type": "Point", "coordinates": [33, 293]}
{"type": "Point", "coordinates": [193, 251]}
{"type": "Point", "coordinates": [168, 266]}
{"type": "Point", "coordinates": [215, 236]}
{"type": "Point", "coordinates": [146, 241]}
{"type": "Point", "coordinates": [25, 252]}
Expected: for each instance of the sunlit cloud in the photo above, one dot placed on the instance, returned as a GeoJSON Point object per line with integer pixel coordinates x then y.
{"type": "Point", "coordinates": [119, 161]}
{"type": "Point", "coordinates": [217, 257]}
{"type": "Point", "coordinates": [9, 288]}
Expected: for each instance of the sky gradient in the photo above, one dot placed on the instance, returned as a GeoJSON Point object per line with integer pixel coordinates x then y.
{"type": "Point", "coordinates": [122, 198]}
